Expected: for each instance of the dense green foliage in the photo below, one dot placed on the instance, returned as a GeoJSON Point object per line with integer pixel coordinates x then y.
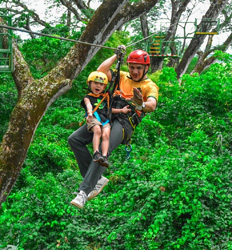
{"type": "Point", "coordinates": [174, 193]}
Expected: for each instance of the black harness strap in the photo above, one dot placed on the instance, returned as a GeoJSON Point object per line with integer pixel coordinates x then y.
{"type": "Point", "coordinates": [128, 121]}
{"type": "Point", "coordinates": [115, 79]}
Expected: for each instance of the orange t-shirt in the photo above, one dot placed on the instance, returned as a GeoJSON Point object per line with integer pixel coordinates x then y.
{"type": "Point", "coordinates": [126, 85]}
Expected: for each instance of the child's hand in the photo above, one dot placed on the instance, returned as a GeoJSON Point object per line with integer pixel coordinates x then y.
{"type": "Point", "coordinates": [125, 109]}
{"type": "Point", "coordinates": [89, 117]}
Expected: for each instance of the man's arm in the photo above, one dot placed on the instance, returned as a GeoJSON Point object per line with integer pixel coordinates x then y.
{"type": "Point", "coordinates": [106, 65]}
{"type": "Point", "coordinates": [150, 105]}
{"type": "Point", "coordinates": [147, 106]}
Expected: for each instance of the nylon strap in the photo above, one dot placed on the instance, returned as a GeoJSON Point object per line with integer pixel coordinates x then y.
{"type": "Point", "coordinates": [106, 95]}
{"type": "Point", "coordinates": [115, 78]}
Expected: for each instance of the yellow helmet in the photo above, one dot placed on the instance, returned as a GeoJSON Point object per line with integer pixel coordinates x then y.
{"type": "Point", "coordinates": [98, 76]}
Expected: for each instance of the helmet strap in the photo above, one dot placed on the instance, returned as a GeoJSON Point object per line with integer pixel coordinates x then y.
{"type": "Point", "coordinates": [144, 73]}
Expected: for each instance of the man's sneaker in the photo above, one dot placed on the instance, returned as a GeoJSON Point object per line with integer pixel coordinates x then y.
{"type": "Point", "coordinates": [98, 188]}
{"type": "Point", "coordinates": [80, 199]}
{"type": "Point", "coordinates": [97, 157]}
{"type": "Point", "coordinates": [105, 162]}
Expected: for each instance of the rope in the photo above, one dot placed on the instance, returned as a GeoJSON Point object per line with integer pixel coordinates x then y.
{"type": "Point", "coordinates": [57, 37]}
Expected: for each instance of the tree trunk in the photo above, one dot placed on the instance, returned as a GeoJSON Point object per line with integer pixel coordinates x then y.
{"type": "Point", "coordinates": [173, 62]}
{"type": "Point", "coordinates": [35, 96]}
{"type": "Point", "coordinates": [213, 12]}
{"type": "Point", "coordinates": [156, 63]}
{"type": "Point", "coordinates": [178, 7]}
{"type": "Point", "coordinates": [204, 63]}
{"type": "Point", "coordinates": [144, 25]}
{"type": "Point", "coordinates": [145, 31]}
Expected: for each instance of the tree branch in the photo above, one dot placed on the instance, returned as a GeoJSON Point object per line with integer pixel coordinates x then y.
{"type": "Point", "coordinates": [34, 15]}
{"type": "Point", "coordinates": [21, 74]}
{"type": "Point", "coordinates": [68, 5]}
{"type": "Point", "coordinates": [80, 4]}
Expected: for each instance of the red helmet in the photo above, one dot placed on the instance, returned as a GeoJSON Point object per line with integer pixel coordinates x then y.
{"type": "Point", "coordinates": [138, 56]}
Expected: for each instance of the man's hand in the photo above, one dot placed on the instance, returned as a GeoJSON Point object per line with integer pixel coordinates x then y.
{"type": "Point", "coordinates": [137, 99]}
{"type": "Point", "coordinates": [121, 50]}
{"type": "Point", "coordinates": [122, 47]}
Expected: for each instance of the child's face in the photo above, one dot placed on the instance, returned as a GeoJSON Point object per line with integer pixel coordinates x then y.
{"type": "Point", "coordinates": [97, 87]}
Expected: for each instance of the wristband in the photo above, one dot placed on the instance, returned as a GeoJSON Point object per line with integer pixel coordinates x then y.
{"type": "Point", "coordinates": [140, 107]}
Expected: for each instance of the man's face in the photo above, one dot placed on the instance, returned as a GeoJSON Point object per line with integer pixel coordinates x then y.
{"type": "Point", "coordinates": [136, 70]}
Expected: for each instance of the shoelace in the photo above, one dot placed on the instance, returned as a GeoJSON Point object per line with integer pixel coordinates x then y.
{"type": "Point", "coordinates": [84, 196]}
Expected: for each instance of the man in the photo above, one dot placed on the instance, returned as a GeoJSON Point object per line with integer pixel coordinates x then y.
{"type": "Point", "coordinates": [133, 86]}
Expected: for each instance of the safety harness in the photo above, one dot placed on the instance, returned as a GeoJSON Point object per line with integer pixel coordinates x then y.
{"type": "Point", "coordinates": [130, 120]}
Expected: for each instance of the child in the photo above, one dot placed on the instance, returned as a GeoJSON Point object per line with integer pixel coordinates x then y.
{"type": "Point", "coordinates": [96, 105]}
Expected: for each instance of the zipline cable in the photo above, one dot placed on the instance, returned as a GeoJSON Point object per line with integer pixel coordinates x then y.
{"type": "Point", "coordinates": [68, 39]}
{"type": "Point", "coordinates": [140, 40]}
{"type": "Point", "coordinates": [57, 37]}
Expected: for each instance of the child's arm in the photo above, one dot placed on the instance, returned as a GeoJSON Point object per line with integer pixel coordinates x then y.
{"type": "Point", "coordinates": [124, 110]}
{"type": "Point", "coordinates": [89, 109]}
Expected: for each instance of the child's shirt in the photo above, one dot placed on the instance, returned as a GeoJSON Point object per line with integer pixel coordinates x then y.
{"type": "Point", "coordinates": [102, 109]}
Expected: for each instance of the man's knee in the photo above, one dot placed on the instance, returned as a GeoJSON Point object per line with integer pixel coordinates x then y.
{"type": "Point", "coordinates": [80, 137]}
{"type": "Point", "coordinates": [73, 139]}
{"type": "Point", "coordinates": [70, 140]}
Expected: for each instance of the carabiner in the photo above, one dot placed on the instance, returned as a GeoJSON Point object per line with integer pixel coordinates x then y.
{"type": "Point", "coordinates": [128, 149]}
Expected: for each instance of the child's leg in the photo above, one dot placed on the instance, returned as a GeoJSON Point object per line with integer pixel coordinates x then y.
{"type": "Point", "coordinates": [105, 140]}
{"type": "Point", "coordinates": [96, 137]}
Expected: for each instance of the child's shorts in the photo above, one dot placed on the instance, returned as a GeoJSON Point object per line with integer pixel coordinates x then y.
{"type": "Point", "coordinates": [94, 122]}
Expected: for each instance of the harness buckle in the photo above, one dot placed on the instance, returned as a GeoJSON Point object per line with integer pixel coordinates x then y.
{"type": "Point", "coordinates": [131, 122]}
{"type": "Point", "coordinates": [132, 119]}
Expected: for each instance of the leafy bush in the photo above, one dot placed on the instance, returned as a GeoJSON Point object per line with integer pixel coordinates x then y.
{"type": "Point", "coordinates": [40, 211]}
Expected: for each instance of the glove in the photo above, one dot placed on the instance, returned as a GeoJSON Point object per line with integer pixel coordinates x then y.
{"type": "Point", "coordinates": [120, 51]}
